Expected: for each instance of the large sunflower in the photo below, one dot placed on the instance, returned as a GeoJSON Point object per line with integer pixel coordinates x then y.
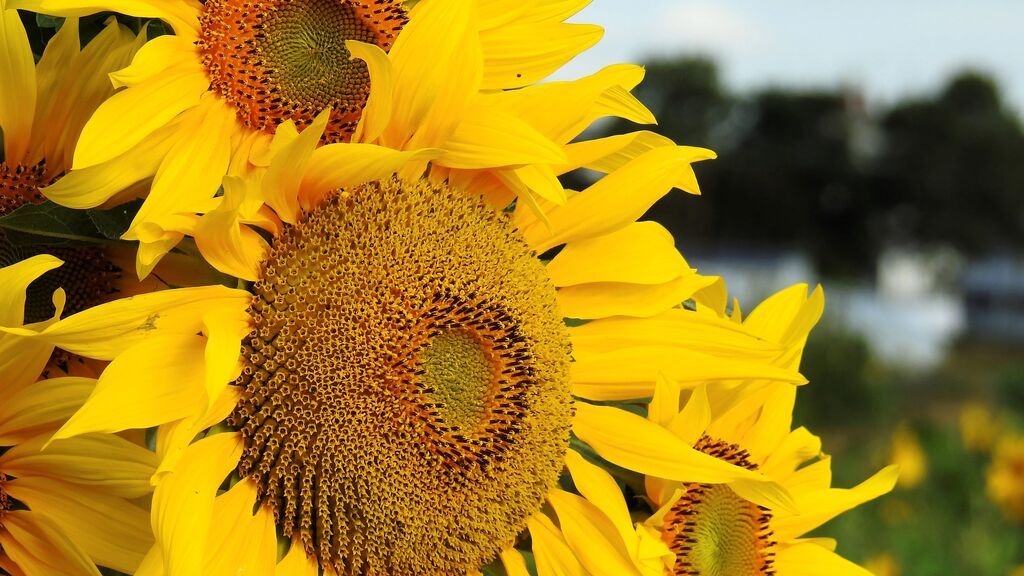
{"type": "Point", "coordinates": [65, 507]}
{"type": "Point", "coordinates": [209, 100]}
{"type": "Point", "coordinates": [403, 401]}
{"type": "Point", "coordinates": [702, 528]}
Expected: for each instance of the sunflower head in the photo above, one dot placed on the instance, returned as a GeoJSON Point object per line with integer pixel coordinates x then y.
{"type": "Point", "coordinates": [277, 60]}
{"type": "Point", "coordinates": [715, 532]}
{"type": "Point", "coordinates": [406, 404]}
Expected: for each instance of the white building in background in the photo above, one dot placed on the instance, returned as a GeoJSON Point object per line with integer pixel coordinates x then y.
{"type": "Point", "coordinates": [993, 291]}
{"type": "Point", "coordinates": [909, 317]}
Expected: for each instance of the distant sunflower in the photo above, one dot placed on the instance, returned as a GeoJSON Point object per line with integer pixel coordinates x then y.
{"type": "Point", "coordinates": [705, 528]}
{"type": "Point", "coordinates": [403, 402]}
{"type": "Point", "coordinates": [238, 78]}
{"type": "Point", "coordinates": [1005, 476]}
{"type": "Point", "coordinates": [64, 509]}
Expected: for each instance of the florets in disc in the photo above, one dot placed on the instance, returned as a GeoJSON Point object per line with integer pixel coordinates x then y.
{"type": "Point", "coordinates": [277, 60]}
{"type": "Point", "coordinates": [406, 404]}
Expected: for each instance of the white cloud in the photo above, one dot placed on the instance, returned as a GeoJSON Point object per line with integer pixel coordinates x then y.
{"type": "Point", "coordinates": [704, 25]}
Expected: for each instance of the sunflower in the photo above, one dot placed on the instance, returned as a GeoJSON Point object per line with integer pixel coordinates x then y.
{"type": "Point", "coordinates": [403, 401]}
{"type": "Point", "coordinates": [705, 528]}
{"type": "Point", "coordinates": [1005, 476]}
{"type": "Point", "coordinates": [238, 79]}
{"type": "Point", "coordinates": [44, 107]}
{"type": "Point", "coordinates": [66, 508]}
{"type": "Point", "coordinates": [906, 451]}
{"type": "Point", "coordinates": [42, 112]}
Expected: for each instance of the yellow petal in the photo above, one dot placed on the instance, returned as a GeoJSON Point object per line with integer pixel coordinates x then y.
{"type": "Point", "coordinates": [553, 556]}
{"type": "Point", "coordinates": [18, 78]}
{"type": "Point", "coordinates": [41, 407]}
{"type": "Point", "coordinates": [103, 462]}
{"type": "Point", "coordinates": [677, 328]}
{"type": "Point", "coordinates": [591, 535]}
{"type": "Point", "coordinates": [773, 424]}
{"type": "Point", "coordinates": [240, 542]}
{"type": "Point", "coordinates": [630, 373]}
{"type": "Point", "coordinates": [798, 447]}
{"type": "Point", "coordinates": [813, 477]}
{"type": "Point", "coordinates": [105, 331]}
{"type": "Point", "coordinates": [191, 173]}
{"type": "Point", "coordinates": [347, 165]}
{"type": "Point", "coordinates": [183, 502]}
{"type": "Point", "coordinates": [54, 77]}
{"type": "Point", "coordinates": [488, 137]}
{"type": "Point", "coordinates": [377, 113]}
{"type": "Point", "coordinates": [153, 59]}
{"type": "Point", "coordinates": [296, 563]}
{"type": "Point", "coordinates": [631, 441]}
{"type": "Point", "coordinates": [664, 405]}
{"type": "Point", "coordinates": [520, 54]}
{"type": "Point", "coordinates": [224, 328]}
{"type": "Point", "coordinates": [562, 110]}
{"type": "Point", "coordinates": [536, 179]}
{"type": "Point", "coordinates": [514, 563]}
{"type": "Point", "coordinates": [38, 546]}
{"type": "Point", "coordinates": [614, 201]}
{"type": "Point", "coordinates": [156, 244]}
{"type": "Point", "coordinates": [92, 186]}
{"type": "Point", "coordinates": [173, 388]}
{"type": "Point", "coordinates": [639, 253]}
{"type": "Point", "coordinates": [606, 299]}
{"type": "Point", "coordinates": [280, 184]}
{"type": "Point", "coordinates": [227, 244]}
{"type": "Point", "coordinates": [437, 70]}
{"type": "Point", "coordinates": [152, 564]}
{"type": "Point", "coordinates": [598, 487]}
{"type": "Point", "coordinates": [612, 152]}
{"type": "Point", "coordinates": [22, 360]}
{"type": "Point", "coordinates": [131, 115]}
{"type": "Point", "coordinates": [14, 280]}
{"type": "Point", "coordinates": [691, 423]}
{"type": "Point", "coordinates": [173, 439]}
{"type": "Point", "coordinates": [809, 559]}
{"type": "Point", "coordinates": [714, 296]}
{"type": "Point", "coordinates": [76, 85]}
{"type": "Point", "coordinates": [111, 531]}
{"type": "Point", "coordinates": [787, 317]}
{"type": "Point", "coordinates": [823, 505]}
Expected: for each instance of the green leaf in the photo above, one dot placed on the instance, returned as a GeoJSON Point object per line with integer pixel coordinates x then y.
{"type": "Point", "coordinates": [55, 225]}
{"type": "Point", "coordinates": [52, 221]}
{"type": "Point", "coordinates": [113, 223]}
{"type": "Point", "coordinates": [46, 21]}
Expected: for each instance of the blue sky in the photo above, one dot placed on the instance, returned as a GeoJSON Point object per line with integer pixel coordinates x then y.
{"type": "Point", "coordinates": [888, 48]}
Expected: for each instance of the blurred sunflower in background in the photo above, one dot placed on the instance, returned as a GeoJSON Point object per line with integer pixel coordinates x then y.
{"type": "Point", "coordinates": [66, 507]}
{"type": "Point", "coordinates": [905, 451]}
{"type": "Point", "coordinates": [1005, 476]}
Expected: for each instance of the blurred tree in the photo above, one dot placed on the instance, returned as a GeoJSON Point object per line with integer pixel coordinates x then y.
{"type": "Point", "coordinates": [951, 170]}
